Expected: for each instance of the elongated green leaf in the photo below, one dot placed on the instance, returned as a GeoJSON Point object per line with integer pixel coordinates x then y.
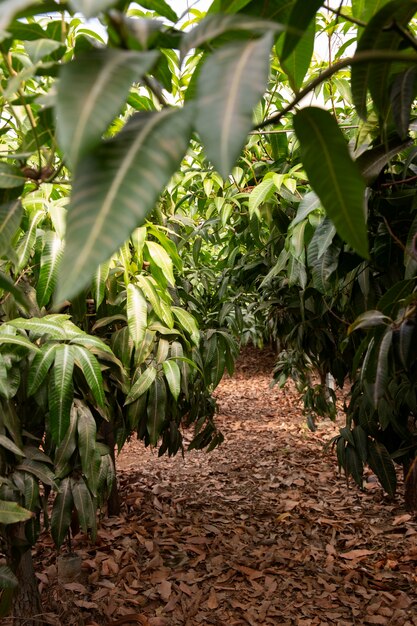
{"type": "Point", "coordinates": [369, 319]}
{"type": "Point", "coordinates": [137, 314]}
{"type": "Point", "coordinates": [86, 426]}
{"type": "Point", "coordinates": [26, 244]}
{"type": "Point", "coordinates": [11, 513]}
{"type": "Point", "coordinates": [148, 288]}
{"type": "Point", "coordinates": [231, 83]}
{"type": "Point", "coordinates": [92, 373]}
{"type": "Point", "coordinates": [17, 340]}
{"type": "Point", "coordinates": [188, 323]}
{"type": "Point", "coordinates": [40, 470]}
{"type": "Point", "coordinates": [302, 13]}
{"type": "Point", "coordinates": [381, 463]}
{"type": "Point", "coordinates": [91, 8]}
{"type": "Point", "coordinates": [161, 7]}
{"type": "Point", "coordinates": [8, 444]}
{"type": "Point", "coordinates": [10, 216]}
{"type": "Point", "coordinates": [84, 505]}
{"type": "Point", "coordinates": [49, 325]}
{"type": "Point", "coordinates": [7, 579]}
{"type": "Point", "coordinates": [9, 8]}
{"type": "Point", "coordinates": [145, 347]}
{"type": "Point", "coordinates": [141, 385]}
{"type": "Point", "coordinates": [216, 369]}
{"type": "Point", "coordinates": [173, 376]}
{"type": "Point", "coordinates": [40, 367]}
{"type": "Point", "coordinates": [10, 176]}
{"type": "Point", "coordinates": [31, 492]}
{"type": "Point", "coordinates": [161, 258]}
{"type": "Point", "coordinates": [379, 36]}
{"type": "Point", "coordinates": [41, 48]}
{"type": "Point", "coordinates": [296, 63]}
{"type": "Point", "coordinates": [381, 378]}
{"type": "Point", "coordinates": [103, 78]}
{"type": "Point", "coordinates": [260, 194]}
{"type": "Point", "coordinates": [403, 92]}
{"type": "Point", "coordinates": [310, 202]}
{"type": "Point", "coordinates": [162, 351]}
{"type": "Point", "coordinates": [67, 446]}
{"type": "Point", "coordinates": [116, 187]}
{"type": "Point", "coordinates": [48, 275]}
{"type": "Point", "coordinates": [371, 162]}
{"type": "Point", "coordinates": [61, 512]}
{"type": "Point", "coordinates": [61, 392]}
{"type": "Point", "coordinates": [354, 465]}
{"type": "Point", "coordinates": [99, 283]}
{"type": "Point", "coordinates": [122, 345]}
{"type": "Point", "coordinates": [365, 9]}
{"type": "Point", "coordinates": [156, 410]}
{"type": "Point", "coordinates": [333, 175]}
{"type": "Point", "coordinates": [93, 343]}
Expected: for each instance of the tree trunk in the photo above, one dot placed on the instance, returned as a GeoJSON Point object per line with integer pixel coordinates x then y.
{"type": "Point", "coordinates": [26, 604]}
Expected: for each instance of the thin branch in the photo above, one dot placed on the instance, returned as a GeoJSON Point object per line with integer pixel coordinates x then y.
{"type": "Point", "coordinates": [367, 56]}
{"type": "Point", "coordinates": [348, 18]}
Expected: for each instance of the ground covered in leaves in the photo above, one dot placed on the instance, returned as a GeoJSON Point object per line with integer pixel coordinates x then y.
{"type": "Point", "coordinates": [262, 531]}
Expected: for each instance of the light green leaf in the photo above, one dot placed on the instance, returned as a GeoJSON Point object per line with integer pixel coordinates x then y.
{"type": "Point", "coordinates": [61, 392]}
{"type": "Point", "coordinates": [142, 384]}
{"type": "Point", "coordinates": [173, 376]}
{"type": "Point", "coordinates": [84, 505]}
{"type": "Point", "coordinates": [369, 319]}
{"type": "Point", "coordinates": [365, 9]}
{"type": "Point", "coordinates": [310, 202]}
{"type": "Point", "coordinates": [231, 82]}
{"type": "Point", "coordinates": [137, 314]}
{"type": "Point", "coordinates": [115, 187]}
{"type": "Point", "coordinates": [302, 14]}
{"type": "Point", "coordinates": [149, 290]}
{"type": "Point", "coordinates": [160, 257]}
{"type": "Point", "coordinates": [260, 194]}
{"type": "Point", "coordinates": [162, 351]}
{"type": "Point", "coordinates": [333, 175]}
{"type": "Point", "coordinates": [10, 217]}
{"type": "Point", "coordinates": [92, 373]}
{"type": "Point", "coordinates": [26, 244]}
{"type": "Point", "coordinates": [99, 283]}
{"type": "Point", "coordinates": [8, 444]}
{"type": "Point", "coordinates": [48, 275]}
{"type": "Point", "coordinates": [91, 8]}
{"type": "Point", "coordinates": [156, 410]}
{"type": "Point", "coordinates": [41, 48]}
{"type": "Point", "coordinates": [17, 340]}
{"type": "Point", "coordinates": [12, 513]}
{"type": "Point", "coordinates": [161, 7]}
{"type": "Point", "coordinates": [7, 579]}
{"type": "Point", "coordinates": [145, 347]}
{"type": "Point", "coordinates": [10, 176]}
{"type": "Point", "coordinates": [93, 343]}
{"type": "Point", "coordinates": [122, 345]}
{"type": "Point", "coordinates": [188, 323]}
{"type": "Point", "coordinates": [296, 64]}
{"type": "Point", "coordinates": [103, 78]}
{"type": "Point", "coordinates": [40, 326]}
{"type": "Point", "coordinates": [61, 512]}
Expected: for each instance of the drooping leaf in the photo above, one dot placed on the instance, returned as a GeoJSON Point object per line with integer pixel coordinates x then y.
{"type": "Point", "coordinates": [381, 463]}
{"type": "Point", "coordinates": [48, 275]}
{"type": "Point", "coordinates": [371, 162]}
{"type": "Point", "coordinates": [67, 446]}
{"type": "Point", "coordinates": [137, 314]}
{"type": "Point", "coordinates": [99, 283]}
{"type": "Point", "coordinates": [61, 512]}
{"type": "Point", "coordinates": [188, 323]}
{"type": "Point", "coordinates": [302, 14]}
{"type": "Point", "coordinates": [39, 326]}
{"type": "Point", "coordinates": [369, 319]}
{"type": "Point", "coordinates": [86, 427]}
{"type": "Point", "coordinates": [84, 504]}
{"type": "Point", "coordinates": [297, 62]}
{"type": "Point", "coordinates": [173, 376]}
{"type": "Point", "coordinates": [103, 78]}
{"type": "Point", "coordinates": [354, 465]}
{"type": "Point", "coordinates": [38, 469]}
{"type": "Point", "coordinates": [61, 392]}
{"type": "Point", "coordinates": [27, 242]}
{"type": "Point", "coordinates": [10, 216]}
{"type": "Point", "coordinates": [381, 377]}
{"type": "Point", "coordinates": [153, 297]}
{"type": "Point", "coordinates": [92, 372]}
{"type": "Point", "coordinates": [332, 174]}
{"type": "Point", "coordinates": [232, 81]}
{"type": "Point", "coordinates": [12, 513]}
{"type": "Point", "coordinates": [161, 258]}
{"type": "Point", "coordinates": [260, 194]}
{"type": "Point", "coordinates": [141, 385]}
{"type": "Point", "coordinates": [8, 444]}
{"type": "Point", "coordinates": [403, 93]}
{"type": "Point", "coordinates": [156, 409]}
{"type": "Point", "coordinates": [17, 340]}
{"type": "Point", "coordinates": [115, 187]}
{"type": "Point", "coordinates": [7, 579]}
{"type": "Point", "coordinates": [310, 202]}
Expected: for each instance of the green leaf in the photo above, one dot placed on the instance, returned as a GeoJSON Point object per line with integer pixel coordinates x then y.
{"type": "Point", "coordinates": [310, 202]}
{"type": "Point", "coordinates": [371, 162]}
{"type": "Point", "coordinates": [137, 314]}
{"type": "Point", "coordinates": [10, 176]}
{"type": "Point", "coordinates": [142, 384]}
{"type": "Point", "coordinates": [61, 392]}
{"type": "Point", "coordinates": [217, 367]}
{"type": "Point", "coordinates": [99, 283]}
{"type": "Point", "coordinates": [333, 175]}
{"type": "Point", "coordinates": [378, 35]}
{"type": "Point", "coordinates": [403, 93]}
{"type": "Point", "coordinates": [161, 7]}
{"type": "Point", "coordinates": [84, 505]}
{"type": "Point", "coordinates": [40, 470]}
{"type": "Point", "coordinates": [41, 48]}
{"type": "Point", "coordinates": [61, 512]}
{"type": "Point", "coordinates": [26, 244]}
{"type": "Point", "coordinates": [86, 427]}
{"type": "Point", "coordinates": [381, 378]}
{"type": "Point", "coordinates": [381, 463]}
{"type": "Point", "coordinates": [260, 194]}
{"type": "Point", "coordinates": [115, 187]}
{"type": "Point", "coordinates": [17, 340]}
{"type": "Point", "coordinates": [302, 13]}
{"type": "Point", "coordinates": [296, 64]}
{"type": "Point", "coordinates": [8, 444]}
{"type": "Point", "coordinates": [7, 579]}
{"type": "Point", "coordinates": [92, 373]}
{"type": "Point", "coordinates": [354, 465]}
{"type": "Point", "coordinates": [145, 347]}
{"type": "Point", "coordinates": [91, 8]}
{"type": "Point", "coordinates": [40, 326]}
{"type": "Point", "coordinates": [231, 83]}
{"type": "Point", "coordinates": [173, 376]}
{"type": "Point", "coordinates": [160, 257]}
{"type": "Point", "coordinates": [6, 284]}
{"type": "Point", "coordinates": [154, 298]}
{"type": "Point", "coordinates": [368, 320]}
{"type": "Point", "coordinates": [12, 513]}
{"type": "Point", "coordinates": [188, 323]}
{"type": "Point", "coordinates": [365, 9]}
{"type": "Point", "coordinates": [156, 410]}
{"type": "Point", "coordinates": [103, 78]}
{"type": "Point", "coordinates": [48, 275]}
{"type": "Point", "coordinates": [67, 446]}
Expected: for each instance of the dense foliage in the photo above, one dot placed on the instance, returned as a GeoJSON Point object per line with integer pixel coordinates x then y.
{"type": "Point", "coordinates": [165, 196]}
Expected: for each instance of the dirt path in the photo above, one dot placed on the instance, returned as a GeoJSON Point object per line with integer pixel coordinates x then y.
{"type": "Point", "coordinates": [262, 531]}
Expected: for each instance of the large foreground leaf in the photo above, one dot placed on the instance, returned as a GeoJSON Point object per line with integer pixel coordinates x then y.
{"type": "Point", "coordinates": [333, 175]}
{"type": "Point", "coordinates": [103, 79]}
{"type": "Point", "coordinates": [231, 83]}
{"type": "Point", "coordinates": [116, 187]}
{"type": "Point", "coordinates": [11, 513]}
{"type": "Point", "coordinates": [91, 8]}
{"type": "Point", "coordinates": [301, 15]}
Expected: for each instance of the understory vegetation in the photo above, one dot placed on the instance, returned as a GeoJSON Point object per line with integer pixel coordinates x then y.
{"type": "Point", "coordinates": [173, 187]}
